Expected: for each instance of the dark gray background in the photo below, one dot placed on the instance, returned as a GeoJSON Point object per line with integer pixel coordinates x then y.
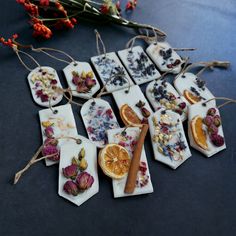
{"type": "Point", "coordinates": [196, 199]}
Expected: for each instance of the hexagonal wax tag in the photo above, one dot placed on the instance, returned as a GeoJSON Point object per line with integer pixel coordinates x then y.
{"type": "Point", "coordinates": [138, 64]}
{"type": "Point", "coordinates": [42, 80]}
{"type": "Point", "coordinates": [128, 139]}
{"type": "Point", "coordinates": [57, 124]}
{"type": "Point", "coordinates": [162, 94]}
{"type": "Point", "coordinates": [78, 176]}
{"type": "Point", "coordinates": [168, 138]}
{"type": "Point", "coordinates": [165, 58]}
{"type": "Point", "coordinates": [108, 65]}
{"type": "Point", "coordinates": [133, 106]}
{"type": "Point", "coordinates": [205, 128]}
{"type": "Point", "coordinates": [81, 79]}
{"type": "Point", "coordinates": [98, 117]}
{"type": "Point", "coordinates": [192, 88]}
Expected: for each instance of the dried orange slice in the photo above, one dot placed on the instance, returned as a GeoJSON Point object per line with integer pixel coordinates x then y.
{"type": "Point", "coordinates": [114, 161]}
{"type": "Point", "coordinates": [191, 97]}
{"type": "Point", "coordinates": [199, 134]}
{"type": "Point", "coordinates": [129, 117]}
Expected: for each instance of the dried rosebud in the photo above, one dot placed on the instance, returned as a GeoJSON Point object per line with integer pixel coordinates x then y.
{"type": "Point", "coordinates": [71, 188]}
{"type": "Point", "coordinates": [208, 120]}
{"type": "Point", "coordinates": [84, 181]}
{"type": "Point", "coordinates": [51, 141]}
{"type": "Point", "coordinates": [51, 150]}
{"type": "Point", "coordinates": [145, 112]}
{"type": "Point", "coordinates": [83, 165]}
{"type": "Point", "coordinates": [70, 171]}
{"type": "Point", "coordinates": [179, 111]}
{"type": "Point", "coordinates": [182, 105]}
{"type": "Point", "coordinates": [211, 111]}
{"type": "Point", "coordinates": [76, 79]}
{"type": "Point", "coordinates": [217, 140]}
{"type": "Point", "coordinates": [90, 82]}
{"type": "Point", "coordinates": [140, 104]}
{"type": "Point", "coordinates": [75, 161]}
{"type": "Point", "coordinates": [217, 120]}
{"type": "Point", "coordinates": [212, 129]}
{"type": "Point", "coordinates": [49, 132]}
{"type": "Point", "coordinates": [82, 88]}
{"type": "Point", "coordinates": [144, 120]}
{"type": "Point", "coordinates": [81, 154]}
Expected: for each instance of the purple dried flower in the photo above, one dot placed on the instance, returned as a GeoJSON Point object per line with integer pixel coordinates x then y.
{"type": "Point", "coordinates": [44, 98]}
{"type": "Point", "coordinates": [211, 111]}
{"type": "Point", "coordinates": [70, 171]}
{"type": "Point", "coordinates": [84, 181]}
{"type": "Point", "coordinates": [49, 132]}
{"type": "Point", "coordinates": [82, 88]}
{"type": "Point", "coordinates": [51, 141]}
{"type": "Point", "coordinates": [212, 129]}
{"type": "Point", "coordinates": [90, 82]}
{"type": "Point", "coordinates": [217, 140]}
{"type": "Point", "coordinates": [71, 188]}
{"type": "Point", "coordinates": [39, 93]}
{"type": "Point", "coordinates": [76, 80]}
{"type": "Point", "coordinates": [50, 150]}
{"type": "Point", "coordinates": [208, 120]}
{"type": "Point", "coordinates": [217, 120]}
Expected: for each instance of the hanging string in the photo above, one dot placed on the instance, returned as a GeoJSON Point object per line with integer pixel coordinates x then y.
{"type": "Point", "coordinates": [17, 51]}
{"type": "Point", "coordinates": [35, 158]}
{"type": "Point", "coordinates": [43, 50]}
{"type": "Point", "coordinates": [228, 101]}
{"type": "Point", "coordinates": [206, 65]}
{"type": "Point", "coordinates": [99, 39]}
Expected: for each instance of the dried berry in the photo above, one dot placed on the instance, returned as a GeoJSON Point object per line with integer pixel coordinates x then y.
{"type": "Point", "coordinates": [71, 188]}
{"type": "Point", "coordinates": [84, 181]}
{"type": "Point", "coordinates": [211, 111]}
{"type": "Point", "coordinates": [217, 140]}
{"type": "Point", "coordinates": [70, 171]}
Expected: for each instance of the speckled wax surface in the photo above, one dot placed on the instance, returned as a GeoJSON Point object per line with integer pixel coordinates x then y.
{"type": "Point", "coordinates": [197, 199]}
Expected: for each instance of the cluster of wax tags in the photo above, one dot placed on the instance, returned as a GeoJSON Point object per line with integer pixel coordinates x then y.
{"type": "Point", "coordinates": [121, 155]}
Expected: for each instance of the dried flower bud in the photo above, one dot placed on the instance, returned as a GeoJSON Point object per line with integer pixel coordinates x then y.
{"type": "Point", "coordinates": [182, 105]}
{"type": "Point", "coordinates": [75, 161]}
{"type": "Point", "coordinates": [208, 120]}
{"type": "Point", "coordinates": [81, 154]}
{"type": "Point", "coordinates": [217, 140]}
{"type": "Point", "coordinates": [71, 188]}
{"type": "Point", "coordinates": [83, 164]}
{"type": "Point", "coordinates": [50, 150]}
{"type": "Point", "coordinates": [82, 88]}
{"type": "Point", "coordinates": [89, 82]}
{"type": "Point", "coordinates": [49, 132]}
{"type": "Point", "coordinates": [70, 171]}
{"type": "Point", "coordinates": [90, 74]}
{"type": "Point", "coordinates": [84, 181]}
{"type": "Point", "coordinates": [51, 141]}
{"type": "Point", "coordinates": [212, 129]}
{"type": "Point", "coordinates": [217, 120]}
{"type": "Point", "coordinates": [140, 104]}
{"type": "Point", "coordinates": [76, 79]}
{"type": "Point", "coordinates": [211, 111]}
{"type": "Point", "coordinates": [145, 112]}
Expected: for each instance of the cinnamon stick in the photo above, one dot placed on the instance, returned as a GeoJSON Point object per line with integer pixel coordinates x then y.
{"type": "Point", "coordinates": [134, 166]}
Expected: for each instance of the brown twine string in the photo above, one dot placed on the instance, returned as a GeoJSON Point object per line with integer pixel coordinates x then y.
{"type": "Point", "coordinates": [99, 39]}
{"type": "Point", "coordinates": [228, 101]}
{"type": "Point", "coordinates": [17, 51]}
{"type": "Point", "coordinates": [44, 49]}
{"type": "Point", "coordinates": [206, 65]}
{"type": "Point", "coordinates": [35, 158]}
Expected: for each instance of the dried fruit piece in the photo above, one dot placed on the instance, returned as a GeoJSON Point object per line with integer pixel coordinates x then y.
{"type": "Point", "coordinates": [199, 134]}
{"type": "Point", "coordinates": [129, 117]}
{"type": "Point", "coordinates": [114, 161]}
{"type": "Point", "coordinates": [191, 97]}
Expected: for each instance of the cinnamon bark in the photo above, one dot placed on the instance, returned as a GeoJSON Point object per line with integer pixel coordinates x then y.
{"type": "Point", "coordinates": [134, 166]}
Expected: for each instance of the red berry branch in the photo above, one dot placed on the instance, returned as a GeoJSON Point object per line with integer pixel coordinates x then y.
{"type": "Point", "coordinates": [46, 15]}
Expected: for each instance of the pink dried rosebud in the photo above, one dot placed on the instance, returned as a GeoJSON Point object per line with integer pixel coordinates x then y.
{"type": "Point", "coordinates": [76, 80]}
{"type": "Point", "coordinates": [51, 141]}
{"type": "Point", "coordinates": [49, 132]}
{"type": "Point", "coordinates": [208, 121]}
{"type": "Point", "coordinates": [182, 105]}
{"type": "Point", "coordinates": [211, 111]}
{"type": "Point", "coordinates": [70, 171]}
{"type": "Point", "coordinates": [90, 82]}
{"type": "Point", "coordinates": [217, 140]}
{"type": "Point", "coordinates": [217, 120]}
{"type": "Point", "coordinates": [82, 88]}
{"type": "Point", "coordinates": [212, 129]}
{"type": "Point", "coordinates": [51, 150]}
{"type": "Point", "coordinates": [71, 188]}
{"type": "Point", "coordinates": [84, 181]}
